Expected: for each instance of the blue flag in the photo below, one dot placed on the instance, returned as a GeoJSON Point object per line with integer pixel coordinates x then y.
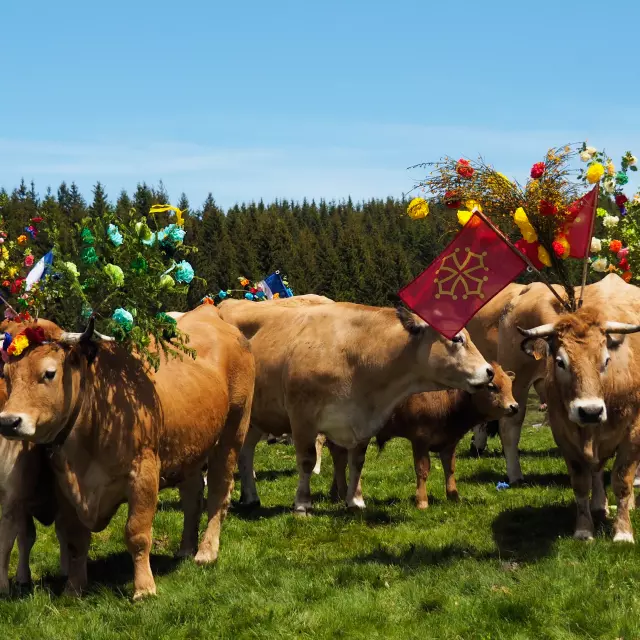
{"type": "Point", "coordinates": [273, 284]}
{"type": "Point", "coordinates": [39, 270]}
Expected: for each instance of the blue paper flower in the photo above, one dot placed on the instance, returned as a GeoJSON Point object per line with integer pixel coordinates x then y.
{"type": "Point", "coordinates": [123, 318]}
{"type": "Point", "coordinates": [260, 295]}
{"type": "Point", "coordinates": [8, 339]}
{"type": "Point", "coordinates": [222, 294]}
{"type": "Point", "coordinates": [86, 312]}
{"type": "Point", "coordinates": [248, 295]}
{"type": "Point", "coordinates": [502, 485]}
{"type": "Point", "coordinates": [114, 235]}
{"type": "Point", "coordinates": [172, 235]}
{"type": "Point", "coordinates": [184, 272]}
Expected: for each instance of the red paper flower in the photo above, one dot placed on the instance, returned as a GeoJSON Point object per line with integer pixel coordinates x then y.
{"type": "Point", "coordinates": [627, 275]}
{"type": "Point", "coordinates": [621, 199]}
{"type": "Point", "coordinates": [558, 248]}
{"type": "Point", "coordinates": [615, 246]}
{"type": "Point", "coordinates": [16, 286]}
{"type": "Point", "coordinates": [537, 170]}
{"type": "Point", "coordinates": [452, 200]}
{"type": "Point", "coordinates": [623, 265]}
{"type": "Point", "coordinates": [6, 284]}
{"type": "Point", "coordinates": [464, 169]}
{"type": "Point", "coordinates": [35, 335]}
{"type": "Point", "coordinates": [253, 290]}
{"type": "Point", "coordinates": [574, 209]}
{"type": "Point", "coordinates": [37, 220]}
{"type": "Point", "coordinates": [547, 208]}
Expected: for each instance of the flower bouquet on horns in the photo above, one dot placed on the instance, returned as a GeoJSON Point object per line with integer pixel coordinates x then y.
{"type": "Point", "coordinates": [615, 247]}
{"type": "Point", "coordinates": [550, 215]}
{"type": "Point", "coordinates": [17, 259]}
{"type": "Point", "coordinates": [127, 274]}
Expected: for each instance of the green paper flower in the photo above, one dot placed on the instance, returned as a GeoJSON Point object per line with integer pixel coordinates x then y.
{"type": "Point", "coordinates": [87, 237]}
{"type": "Point", "coordinates": [139, 265]}
{"type": "Point", "coordinates": [115, 273]}
{"type": "Point", "coordinates": [622, 178]}
{"type": "Point", "coordinates": [72, 268]}
{"type": "Point", "coordinates": [166, 282]}
{"type": "Point", "coordinates": [89, 256]}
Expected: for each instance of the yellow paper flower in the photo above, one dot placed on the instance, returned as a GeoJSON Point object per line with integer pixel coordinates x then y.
{"type": "Point", "coordinates": [5, 253]}
{"type": "Point", "coordinates": [465, 216]}
{"type": "Point", "coordinates": [472, 204]}
{"type": "Point", "coordinates": [22, 239]}
{"type": "Point", "coordinates": [595, 173]}
{"type": "Point", "coordinates": [418, 208]}
{"type": "Point", "coordinates": [611, 170]}
{"type": "Point", "coordinates": [527, 231]}
{"type": "Point", "coordinates": [13, 272]}
{"type": "Point", "coordinates": [543, 256]}
{"type": "Point", "coordinates": [19, 344]}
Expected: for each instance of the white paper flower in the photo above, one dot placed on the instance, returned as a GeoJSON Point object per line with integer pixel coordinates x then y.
{"type": "Point", "coordinates": [609, 185]}
{"type": "Point", "coordinates": [596, 245]}
{"type": "Point", "coordinates": [633, 161]}
{"type": "Point", "coordinates": [610, 221]}
{"type": "Point", "coordinates": [591, 150]}
{"type": "Point", "coordinates": [585, 156]}
{"type": "Point", "coordinates": [599, 265]}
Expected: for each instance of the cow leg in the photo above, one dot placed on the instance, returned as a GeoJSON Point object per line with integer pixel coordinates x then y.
{"type": "Point", "coordinates": [422, 464]}
{"type": "Point", "coordinates": [580, 475]}
{"type": "Point", "coordinates": [248, 491]}
{"type": "Point", "coordinates": [599, 502]}
{"type": "Point", "coordinates": [340, 457]}
{"type": "Point", "coordinates": [510, 430]}
{"type": "Point", "coordinates": [191, 495]}
{"type": "Point", "coordinates": [320, 440]}
{"type": "Point", "coordinates": [448, 459]}
{"type": "Point", "coordinates": [64, 548]}
{"type": "Point", "coordinates": [8, 532]}
{"type": "Point", "coordinates": [143, 497]}
{"type": "Point", "coordinates": [77, 539]}
{"type": "Point", "coordinates": [222, 464]}
{"type": "Point", "coordinates": [304, 442]}
{"type": "Point", "coordinates": [479, 440]}
{"type": "Point", "coordinates": [357, 456]}
{"type": "Point", "coordinates": [624, 470]}
{"type": "Point", "coordinates": [26, 540]}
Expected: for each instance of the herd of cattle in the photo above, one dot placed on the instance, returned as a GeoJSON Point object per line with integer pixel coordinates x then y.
{"type": "Point", "coordinates": [87, 428]}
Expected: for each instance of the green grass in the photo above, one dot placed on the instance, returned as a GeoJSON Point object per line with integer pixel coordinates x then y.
{"type": "Point", "coordinates": [496, 565]}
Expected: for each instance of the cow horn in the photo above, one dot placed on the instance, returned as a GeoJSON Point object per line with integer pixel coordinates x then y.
{"type": "Point", "coordinates": [621, 327]}
{"type": "Point", "coordinates": [543, 331]}
{"type": "Point", "coordinates": [89, 332]}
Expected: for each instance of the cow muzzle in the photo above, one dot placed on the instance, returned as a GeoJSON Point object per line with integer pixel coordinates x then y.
{"type": "Point", "coordinates": [482, 378]}
{"type": "Point", "coordinates": [588, 411]}
{"type": "Point", "coordinates": [15, 426]}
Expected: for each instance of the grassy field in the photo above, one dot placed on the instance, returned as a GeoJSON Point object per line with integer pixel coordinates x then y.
{"type": "Point", "coordinates": [496, 565]}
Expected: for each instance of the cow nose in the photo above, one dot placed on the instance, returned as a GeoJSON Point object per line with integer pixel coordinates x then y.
{"type": "Point", "coordinates": [490, 373]}
{"type": "Point", "coordinates": [513, 408]}
{"type": "Point", "coordinates": [9, 424]}
{"type": "Point", "coordinates": [590, 413]}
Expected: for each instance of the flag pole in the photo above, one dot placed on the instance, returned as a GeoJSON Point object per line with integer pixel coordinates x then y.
{"type": "Point", "coordinates": [522, 256]}
{"type": "Point", "coordinates": [585, 263]}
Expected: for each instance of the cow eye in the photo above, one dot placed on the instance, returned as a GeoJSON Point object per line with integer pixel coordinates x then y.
{"type": "Point", "coordinates": [459, 339]}
{"type": "Point", "coordinates": [49, 374]}
{"type": "Point", "coordinates": [560, 363]}
{"type": "Point", "coordinates": [492, 387]}
{"type": "Point", "coordinates": [607, 361]}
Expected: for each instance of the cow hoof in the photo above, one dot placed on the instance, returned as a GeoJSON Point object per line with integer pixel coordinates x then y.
{"type": "Point", "coordinates": [185, 553]}
{"type": "Point", "coordinates": [422, 504]}
{"type": "Point", "coordinates": [518, 482]}
{"type": "Point", "coordinates": [453, 496]}
{"type": "Point", "coordinates": [624, 536]}
{"type": "Point", "coordinates": [205, 557]}
{"type": "Point", "coordinates": [584, 535]}
{"type": "Point", "coordinates": [356, 504]}
{"type": "Point", "coordinates": [141, 594]}
{"type": "Point", "coordinates": [474, 452]}
{"type": "Point", "coordinates": [250, 503]}
{"type": "Point", "coordinates": [302, 509]}
{"type": "Point", "coordinates": [636, 481]}
{"type": "Point", "coordinates": [72, 592]}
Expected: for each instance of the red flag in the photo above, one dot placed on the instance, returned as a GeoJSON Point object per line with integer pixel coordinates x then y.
{"type": "Point", "coordinates": [580, 230]}
{"type": "Point", "coordinates": [474, 268]}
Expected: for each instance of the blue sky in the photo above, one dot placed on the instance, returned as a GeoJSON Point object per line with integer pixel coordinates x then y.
{"type": "Point", "coordinates": [328, 99]}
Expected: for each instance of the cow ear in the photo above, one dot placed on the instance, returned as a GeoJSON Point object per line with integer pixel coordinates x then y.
{"type": "Point", "coordinates": [511, 375]}
{"type": "Point", "coordinates": [615, 340]}
{"type": "Point", "coordinates": [414, 325]}
{"type": "Point", "coordinates": [535, 348]}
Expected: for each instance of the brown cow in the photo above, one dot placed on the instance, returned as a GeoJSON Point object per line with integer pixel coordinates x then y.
{"type": "Point", "coordinates": [26, 491]}
{"type": "Point", "coordinates": [120, 433]}
{"type": "Point", "coordinates": [593, 396]}
{"type": "Point", "coordinates": [434, 421]}
{"type": "Point", "coordinates": [340, 369]}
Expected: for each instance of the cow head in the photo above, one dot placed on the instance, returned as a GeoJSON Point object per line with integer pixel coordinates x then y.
{"type": "Point", "coordinates": [44, 382]}
{"type": "Point", "coordinates": [454, 363]}
{"type": "Point", "coordinates": [496, 400]}
{"type": "Point", "coordinates": [579, 347]}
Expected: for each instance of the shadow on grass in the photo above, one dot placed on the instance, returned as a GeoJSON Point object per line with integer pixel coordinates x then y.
{"type": "Point", "coordinates": [113, 572]}
{"type": "Point", "coordinates": [418, 556]}
{"type": "Point", "coordinates": [528, 534]}
{"type": "Point", "coordinates": [530, 479]}
{"type": "Point", "coordinates": [496, 453]}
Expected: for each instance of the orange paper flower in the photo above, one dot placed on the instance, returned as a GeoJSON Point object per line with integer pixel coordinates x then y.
{"type": "Point", "coordinates": [615, 246]}
{"type": "Point", "coordinates": [627, 275]}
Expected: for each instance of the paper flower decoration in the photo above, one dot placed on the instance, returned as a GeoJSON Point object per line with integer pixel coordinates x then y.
{"type": "Point", "coordinates": [452, 200]}
{"type": "Point", "coordinates": [114, 235]}
{"type": "Point", "coordinates": [89, 256]}
{"type": "Point", "coordinates": [585, 156]}
{"type": "Point", "coordinates": [596, 245]}
{"type": "Point", "coordinates": [594, 173]}
{"type": "Point", "coordinates": [464, 168]}
{"type": "Point", "coordinates": [143, 231]}
{"type": "Point", "coordinates": [166, 281]}
{"type": "Point", "coordinates": [627, 275]}
{"type": "Point", "coordinates": [172, 235]}
{"type": "Point", "coordinates": [610, 221]}
{"type": "Point", "coordinates": [123, 318]}
{"type": "Point", "coordinates": [87, 237]}
{"type": "Point", "coordinates": [248, 295]}
{"type": "Point", "coordinates": [18, 345]}
{"type": "Point", "coordinates": [622, 178]}
{"type": "Point", "coordinates": [527, 231]}
{"type": "Point", "coordinates": [72, 268]}
{"type": "Point", "coordinates": [600, 265]}
{"type": "Point", "coordinates": [543, 256]}
{"type": "Point", "coordinates": [615, 246]}
{"type": "Point", "coordinates": [537, 170]}
{"type": "Point", "coordinates": [222, 294]}
{"type": "Point", "coordinates": [115, 273]}
{"type": "Point", "coordinates": [418, 208]}
{"type": "Point", "coordinates": [547, 208]}
{"type": "Point", "coordinates": [184, 272]}
{"type": "Point", "coordinates": [28, 261]}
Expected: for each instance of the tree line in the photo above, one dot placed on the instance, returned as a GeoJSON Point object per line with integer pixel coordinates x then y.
{"type": "Point", "coordinates": [361, 252]}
